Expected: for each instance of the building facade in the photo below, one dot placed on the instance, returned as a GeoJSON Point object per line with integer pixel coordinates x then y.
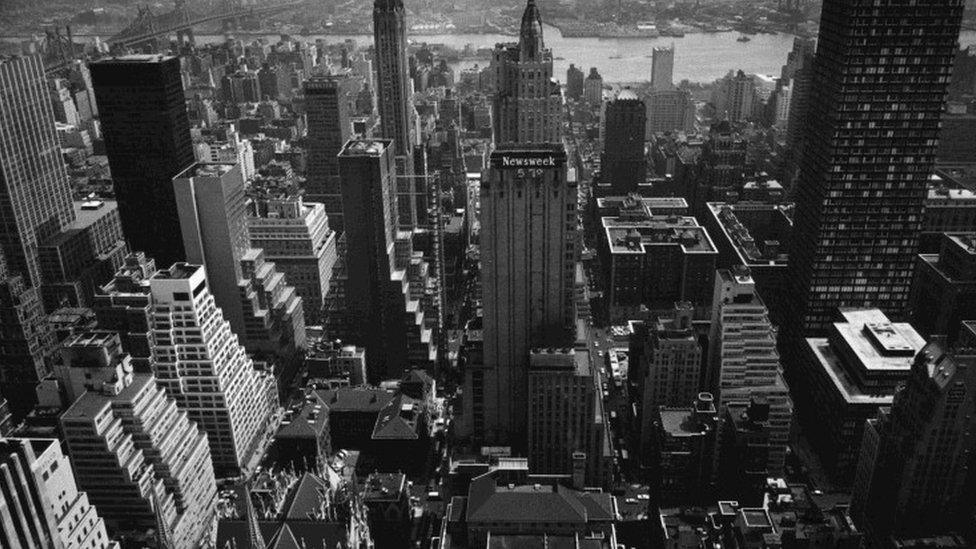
{"type": "Point", "coordinates": [142, 108]}
{"type": "Point", "coordinates": [623, 165]}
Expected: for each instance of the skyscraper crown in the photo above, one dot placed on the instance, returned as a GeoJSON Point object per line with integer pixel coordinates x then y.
{"type": "Point", "coordinates": [530, 34]}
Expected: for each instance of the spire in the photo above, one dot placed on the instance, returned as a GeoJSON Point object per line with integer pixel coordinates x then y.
{"type": "Point", "coordinates": [530, 33]}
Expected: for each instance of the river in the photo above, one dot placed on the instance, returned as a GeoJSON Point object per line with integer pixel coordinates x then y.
{"type": "Point", "coordinates": [698, 57]}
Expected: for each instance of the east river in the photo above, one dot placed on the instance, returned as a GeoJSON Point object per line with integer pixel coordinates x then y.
{"type": "Point", "coordinates": [698, 57]}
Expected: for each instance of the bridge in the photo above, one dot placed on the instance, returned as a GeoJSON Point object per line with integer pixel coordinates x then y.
{"type": "Point", "coordinates": [149, 27]}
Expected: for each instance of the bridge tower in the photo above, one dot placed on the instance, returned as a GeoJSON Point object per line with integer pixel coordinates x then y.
{"type": "Point", "coordinates": [183, 35]}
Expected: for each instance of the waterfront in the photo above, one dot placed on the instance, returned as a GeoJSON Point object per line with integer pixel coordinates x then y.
{"type": "Point", "coordinates": [699, 57]}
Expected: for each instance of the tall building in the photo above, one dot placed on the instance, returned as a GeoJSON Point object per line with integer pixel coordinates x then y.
{"type": "Point", "coordinates": [743, 363]}
{"type": "Point", "coordinates": [35, 196]}
{"type": "Point", "coordinates": [297, 236]}
{"type": "Point", "coordinates": [40, 504]}
{"type": "Point", "coordinates": [683, 439]}
{"type": "Point", "coordinates": [944, 289]}
{"type": "Point", "coordinates": [798, 74]}
{"type": "Point", "coordinates": [567, 423]}
{"type": "Point", "coordinates": [143, 462]}
{"type": "Point", "coordinates": [623, 165]}
{"type": "Point", "coordinates": [662, 68]}
{"type": "Point", "coordinates": [915, 472]}
{"type": "Point", "coordinates": [393, 80]}
{"type": "Point", "coordinates": [528, 254]}
{"type": "Point", "coordinates": [669, 369]}
{"type": "Point", "coordinates": [527, 104]}
{"type": "Point", "coordinates": [868, 153]}
{"type": "Point", "coordinates": [378, 313]}
{"type": "Point", "coordinates": [574, 82]}
{"type": "Point", "coordinates": [147, 140]}
{"type": "Point", "coordinates": [847, 377]}
{"type": "Point", "coordinates": [593, 87]}
{"type": "Point", "coordinates": [669, 111]}
{"type": "Point", "coordinates": [222, 392]}
{"type": "Point", "coordinates": [330, 106]}
{"type": "Point", "coordinates": [124, 305]}
{"type": "Point", "coordinates": [211, 205]}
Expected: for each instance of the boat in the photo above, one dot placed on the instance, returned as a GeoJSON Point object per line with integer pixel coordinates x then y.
{"type": "Point", "coordinates": [743, 38]}
{"type": "Point", "coordinates": [616, 57]}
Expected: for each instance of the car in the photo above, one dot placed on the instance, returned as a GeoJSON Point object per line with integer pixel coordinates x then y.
{"type": "Point", "coordinates": [630, 500]}
{"type": "Point", "coordinates": [643, 496]}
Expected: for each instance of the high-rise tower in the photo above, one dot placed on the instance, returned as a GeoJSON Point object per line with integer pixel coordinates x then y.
{"type": "Point", "coordinates": [35, 195]}
{"type": "Point", "coordinates": [528, 253]}
{"type": "Point", "coordinates": [622, 164]}
{"type": "Point", "coordinates": [881, 72]}
{"type": "Point", "coordinates": [662, 69]}
{"type": "Point", "coordinates": [147, 140]}
{"type": "Point", "coordinates": [393, 79]}
{"type": "Point", "coordinates": [527, 104]}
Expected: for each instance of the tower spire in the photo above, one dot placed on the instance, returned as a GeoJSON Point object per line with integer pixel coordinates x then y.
{"type": "Point", "coordinates": [530, 33]}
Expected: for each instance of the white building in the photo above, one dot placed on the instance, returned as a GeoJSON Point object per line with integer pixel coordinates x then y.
{"type": "Point", "coordinates": [199, 360]}
{"type": "Point", "coordinates": [37, 486]}
{"type": "Point", "coordinates": [662, 69]}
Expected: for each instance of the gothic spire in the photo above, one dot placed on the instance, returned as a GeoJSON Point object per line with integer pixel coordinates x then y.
{"type": "Point", "coordinates": [530, 33]}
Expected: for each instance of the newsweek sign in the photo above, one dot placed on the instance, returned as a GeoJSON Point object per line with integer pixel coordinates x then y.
{"type": "Point", "coordinates": [515, 160]}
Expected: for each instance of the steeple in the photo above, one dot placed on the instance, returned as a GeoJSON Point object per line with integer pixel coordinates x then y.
{"type": "Point", "coordinates": [530, 33]}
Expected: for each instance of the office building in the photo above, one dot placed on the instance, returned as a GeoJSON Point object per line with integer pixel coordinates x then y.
{"type": "Point", "coordinates": [26, 341]}
{"type": "Point", "coordinates": [567, 425]}
{"type": "Point", "coordinates": [944, 290]}
{"type": "Point", "coordinates": [756, 236]}
{"type": "Point", "coordinates": [623, 165]}
{"type": "Point", "coordinates": [144, 464]}
{"type": "Point", "coordinates": [950, 207]}
{"type": "Point", "coordinates": [298, 237]}
{"type": "Point", "coordinates": [142, 108]}
{"type": "Point", "coordinates": [222, 393]}
{"type": "Point", "coordinates": [393, 81]}
{"type": "Point", "coordinates": [668, 370]}
{"type": "Point", "coordinates": [574, 83]}
{"type": "Point", "coordinates": [654, 261]}
{"type": "Point", "coordinates": [528, 254]}
{"type": "Point", "coordinates": [34, 186]}
{"type": "Point", "coordinates": [669, 111]}
{"type": "Point", "coordinates": [40, 504]}
{"type": "Point", "coordinates": [593, 87]}
{"type": "Point", "coordinates": [662, 68]}
{"type": "Point", "coordinates": [527, 102]}
{"type": "Point", "coordinates": [82, 256]}
{"type": "Point", "coordinates": [377, 311]}
{"type": "Point", "coordinates": [683, 440]}
{"type": "Point", "coordinates": [124, 305]}
{"type": "Point", "coordinates": [262, 308]}
{"type": "Point", "coordinates": [734, 97]}
{"type": "Point", "coordinates": [866, 162]}
{"type": "Point", "coordinates": [798, 71]}
{"type": "Point", "coordinates": [330, 105]}
{"type": "Point", "coordinates": [914, 474]}
{"type": "Point", "coordinates": [743, 364]}
{"type": "Point", "coordinates": [721, 168]}
{"type": "Point", "coordinates": [848, 376]}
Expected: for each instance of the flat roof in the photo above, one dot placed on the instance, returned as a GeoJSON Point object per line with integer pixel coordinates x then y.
{"type": "Point", "coordinates": [878, 344]}
{"type": "Point", "coordinates": [365, 147]}
{"type": "Point", "coordinates": [139, 58]}
{"type": "Point", "coordinates": [634, 236]}
{"type": "Point", "coordinates": [206, 169]}
{"type": "Point", "coordinates": [844, 385]}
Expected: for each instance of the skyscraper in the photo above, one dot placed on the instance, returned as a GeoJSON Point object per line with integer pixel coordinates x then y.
{"type": "Point", "coordinates": [623, 165]}
{"type": "Point", "coordinates": [35, 196]}
{"type": "Point", "coordinates": [662, 68]}
{"type": "Point", "coordinates": [574, 82]}
{"type": "Point", "coordinates": [915, 473]}
{"type": "Point", "coordinates": [263, 310]}
{"type": "Point", "coordinates": [222, 392]}
{"type": "Point", "coordinates": [393, 80]}
{"type": "Point", "coordinates": [528, 253]}
{"type": "Point", "coordinates": [375, 291]}
{"type": "Point", "coordinates": [527, 105]}
{"type": "Point", "coordinates": [871, 138]}
{"type": "Point", "coordinates": [123, 422]}
{"type": "Point", "coordinates": [147, 140]}
{"type": "Point", "coordinates": [593, 87]}
{"type": "Point", "coordinates": [330, 105]}
{"type": "Point", "coordinates": [40, 505]}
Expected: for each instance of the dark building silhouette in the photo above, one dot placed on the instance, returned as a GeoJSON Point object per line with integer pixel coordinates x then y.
{"type": "Point", "coordinates": [375, 302]}
{"type": "Point", "coordinates": [944, 289]}
{"type": "Point", "coordinates": [574, 82]}
{"type": "Point", "coordinates": [147, 140]}
{"type": "Point", "coordinates": [871, 140]}
{"type": "Point", "coordinates": [623, 165]}
{"type": "Point", "coordinates": [914, 474]}
{"type": "Point", "coordinates": [330, 103]}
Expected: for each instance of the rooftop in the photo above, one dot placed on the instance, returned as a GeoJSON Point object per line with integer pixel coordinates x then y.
{"type": "Point", "coordinates": [874, 341]}
{"type": "Point", "coordinates": [365, 147]}
{"type": "Point", "coordinates": [133, 58]}
{"type": "Point", "coordinates": [206, 169]}
{"type": "Point", "coordinates": [384, 486]}
{"type": "Point", "coordinates": [178, 271]}
{"type": "Point", "coordinates": [310, 418]}
{"type": "Point", "coordinates": [355, 399]}
{"type": "Point", "coordinates": [91, 404]}
{"type": "Point", "coordinates": [633, 236]}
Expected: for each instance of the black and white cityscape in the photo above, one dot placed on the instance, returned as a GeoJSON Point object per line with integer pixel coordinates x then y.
{"type": "Point", "coordinates": [488, 274]}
